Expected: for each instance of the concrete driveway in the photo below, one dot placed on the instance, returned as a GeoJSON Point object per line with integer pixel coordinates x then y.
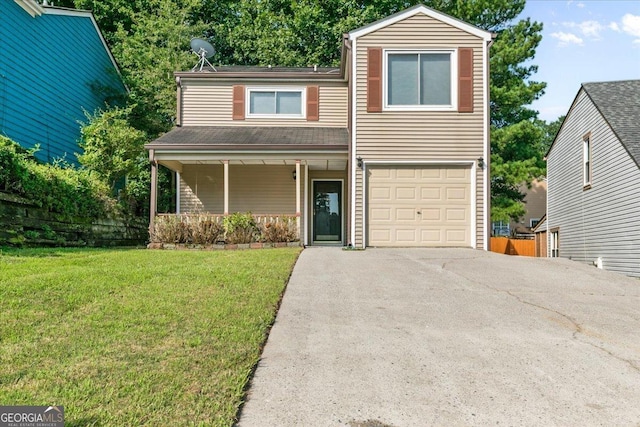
{"type": "Point", "coordinates": [448, 337]}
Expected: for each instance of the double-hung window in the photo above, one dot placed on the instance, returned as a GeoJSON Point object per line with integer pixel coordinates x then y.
{"type": "Point", "coordinates": [421, 80]}
{"type": "Point", "coordinates": [276, 102]}
{"type": "Point", "coordinates": [586, 155]}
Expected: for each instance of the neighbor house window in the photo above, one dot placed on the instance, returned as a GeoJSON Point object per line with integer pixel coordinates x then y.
{"type": "Point", "coordinates": [420, 80]}
{"type": "Point", "coordinates": [586, 154]}
{"type": "Point", "coordinates": [555, 244]}
{"type": "Point", "coordinates": [281, 102]}
{"type": "Point", "coordinates": [533, 222]}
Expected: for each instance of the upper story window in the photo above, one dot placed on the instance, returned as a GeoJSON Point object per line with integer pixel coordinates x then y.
{"type": "Point", "coordinates": [420, 80]}
{"type": "Point", "coordinates": [276, 102]}
{"type": "Point", "coordinates": [586, 155]}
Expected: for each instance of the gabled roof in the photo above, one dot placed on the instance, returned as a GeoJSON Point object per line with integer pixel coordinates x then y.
{"type": "Point", "coordinates": [420, 8]}
{"type": "Point", "coordinates": [619, 104]}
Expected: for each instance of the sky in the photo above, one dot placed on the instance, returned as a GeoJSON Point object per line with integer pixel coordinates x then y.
{"type": "Point", "coordinates": [582, 41]}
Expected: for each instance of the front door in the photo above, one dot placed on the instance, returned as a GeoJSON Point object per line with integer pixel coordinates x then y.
{"type": "Point", "coordinates": [327, 211]}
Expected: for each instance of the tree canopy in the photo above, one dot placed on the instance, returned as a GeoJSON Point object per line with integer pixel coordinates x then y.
{"type": "Point", "coordinates": [150, 40]}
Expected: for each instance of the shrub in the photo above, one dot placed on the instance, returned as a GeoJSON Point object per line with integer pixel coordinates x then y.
{"type": "Point", "coordinates": [205, 229]}
{"type": "Point", "coordinates": [283, 230]}
{"type": "Point", "coordinates": [63, 190]}
{"type": "Point", "coordinates": [240, 228]}
{"type": "Point", "coordinates": [199, 229]}
{"type": "Point", "coordinates": [170, 229]}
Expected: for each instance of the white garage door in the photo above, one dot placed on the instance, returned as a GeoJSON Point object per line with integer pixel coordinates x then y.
{"type": "Point", "coordinates": [419, 206]}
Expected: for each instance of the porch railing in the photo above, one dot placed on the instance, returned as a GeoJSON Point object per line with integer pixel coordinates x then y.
{"type": "Point", "coordinates": [208, 228]}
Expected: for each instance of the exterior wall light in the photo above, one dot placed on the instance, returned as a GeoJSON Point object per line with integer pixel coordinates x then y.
{"type": "Point", "coordinates": [294, 175]}
{"type": "Point", "coordinates": [359, 160]}
{"type": "Point", "coordinates": [481, 163]}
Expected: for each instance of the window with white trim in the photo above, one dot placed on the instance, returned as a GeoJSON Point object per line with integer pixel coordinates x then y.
{"type": "Point", "coordinates": [276, 102]}
{"type": "Point", "coordinates": [586, 155]}
{"type": "Point", "coordinates": [420, 79]}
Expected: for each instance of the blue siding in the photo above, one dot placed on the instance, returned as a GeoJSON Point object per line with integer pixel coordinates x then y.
{"type": "Point", "coordinates": [50, 67]}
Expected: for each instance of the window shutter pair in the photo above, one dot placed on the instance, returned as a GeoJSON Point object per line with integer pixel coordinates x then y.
{"type": "Point", "coordinates": [313, 104]}
{"type": "Point", "coordinates": [374, 80]}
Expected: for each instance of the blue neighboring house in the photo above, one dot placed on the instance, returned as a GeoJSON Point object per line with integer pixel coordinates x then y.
{"type": "Point", "coordinates": [54, 65]}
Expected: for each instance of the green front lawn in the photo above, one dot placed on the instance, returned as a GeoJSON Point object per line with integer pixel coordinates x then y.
{"type": "Point", "coordinates": [136, 337]}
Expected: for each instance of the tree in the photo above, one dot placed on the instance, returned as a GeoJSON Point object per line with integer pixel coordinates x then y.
{"type": "Point", "coordinates": [111, 147]}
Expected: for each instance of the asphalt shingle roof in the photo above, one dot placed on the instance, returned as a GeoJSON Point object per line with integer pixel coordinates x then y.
{"type": "Point", "coordinates": [240, 137]}
{"type": "Point", "coordinates": [619, 104]}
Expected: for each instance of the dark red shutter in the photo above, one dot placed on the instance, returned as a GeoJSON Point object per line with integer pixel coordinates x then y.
{"type": "Point", "coordinates": [238, 102]}
{"type": "Point", "coordinates": [374, 80]}
{"type": "Point", "coordinates": [313, 107]}
{"type": "Point", "coordinates": [465, 80]}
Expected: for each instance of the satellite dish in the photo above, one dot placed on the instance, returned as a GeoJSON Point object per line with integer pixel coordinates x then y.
{"type": "Point", "coordinates": [204, 50]}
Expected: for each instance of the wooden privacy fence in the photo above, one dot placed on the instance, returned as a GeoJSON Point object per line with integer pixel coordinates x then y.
{"type": "Point", "coordinates": [521, 247]}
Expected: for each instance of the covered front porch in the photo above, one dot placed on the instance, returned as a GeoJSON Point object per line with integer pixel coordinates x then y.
{"type": "Point", "coordinates": [306, 182]}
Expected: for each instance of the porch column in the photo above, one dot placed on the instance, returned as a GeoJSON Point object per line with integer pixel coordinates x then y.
{"type": "Point", "coordinates": [154, 191]}
{"type": "Point", "coordinates": [226, 186]}
{"type": "Point", "coordinates": [298, 179]}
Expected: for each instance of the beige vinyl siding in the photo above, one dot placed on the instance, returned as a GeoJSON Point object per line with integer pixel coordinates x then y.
{"type": "Point", "coordinates": [209, 103]}
{"type": "Point", "coordinates": [535, 202]}
{"type": "Point", "coordinates": [252, 188]}
{"type": "Point", "coordinates": [602, 221]}
{"type": "Point", "coordinates": [420, 135]}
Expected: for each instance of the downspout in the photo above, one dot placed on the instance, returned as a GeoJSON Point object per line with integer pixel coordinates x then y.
{"type": "Point", "coordinates": [153, 203]}
{"type": "Point", "coordinates": [350, 196]}
{"type": "Point", "coordinates": [487, 155]}
{"type": "Point", "coordinates": [179, 101]}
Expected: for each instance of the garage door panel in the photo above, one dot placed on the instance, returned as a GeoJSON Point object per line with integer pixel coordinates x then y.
{"type": "Point", "coordinates": [431, 236]}
{"type": "Point", "coordinates": [456, 193]}
{"type": "Point", "coordinates": [406, 214]}
{"type": "Point", "coordinates": [431, 214]}
{"type": "Point", "coordinates": [381, 214]}
{"type": "Point", "coordinates": [405, 236]}
{"type": "Point", "coordinates": [381, 193]}
{"type": "Point", "coordinates": [453, 214]}
{"type": "Point", "coordinates": [419, 206]}
{"type": "Point", "coordinates": [430, 193]}
{"type": "Point", "coordinates": [406, 193]}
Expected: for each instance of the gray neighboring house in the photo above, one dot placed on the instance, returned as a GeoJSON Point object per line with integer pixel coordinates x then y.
{"type": "Point", "coordinates": [593, 167]}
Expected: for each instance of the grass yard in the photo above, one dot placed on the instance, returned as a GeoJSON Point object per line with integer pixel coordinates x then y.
{"type": "Point", "coordinates": [134, 337]}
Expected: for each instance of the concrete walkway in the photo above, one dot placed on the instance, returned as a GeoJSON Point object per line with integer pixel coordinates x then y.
{"type": "Point", "coordinates": [448, 337]}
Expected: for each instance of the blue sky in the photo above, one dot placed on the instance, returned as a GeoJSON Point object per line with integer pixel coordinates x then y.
{"type": "Point", "coordinates": [583, 41]}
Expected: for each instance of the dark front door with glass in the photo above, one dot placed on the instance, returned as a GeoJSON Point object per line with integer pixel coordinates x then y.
{"type": "Point", "coordinates": [327, 211]}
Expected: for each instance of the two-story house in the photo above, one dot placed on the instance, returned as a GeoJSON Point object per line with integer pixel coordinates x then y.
{"type": "Point", "coordinates": [389, 149]}
{"type": "Point", "coordinates": [54, 66]}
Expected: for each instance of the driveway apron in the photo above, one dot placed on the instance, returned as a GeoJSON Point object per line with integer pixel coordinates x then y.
{"type": "Point", "coordinates": [447, 337]}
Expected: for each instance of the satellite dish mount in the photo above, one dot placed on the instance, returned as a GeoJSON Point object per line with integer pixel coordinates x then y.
{"type": "Point", "coordinates": [203, 50]}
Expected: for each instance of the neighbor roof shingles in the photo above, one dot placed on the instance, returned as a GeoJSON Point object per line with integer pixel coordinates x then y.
{"type": "Point", "coordinates": [224, 137]}
{"type": "Point", "coordinates": [619, 104]}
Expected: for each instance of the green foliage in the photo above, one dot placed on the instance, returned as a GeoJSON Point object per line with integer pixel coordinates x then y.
{"type": "Point", "coordinates": [67, 191]}
{"type": "Point", "coordinates": [111, 147]}
{"type": "Point", "coordinates": [240, 228]}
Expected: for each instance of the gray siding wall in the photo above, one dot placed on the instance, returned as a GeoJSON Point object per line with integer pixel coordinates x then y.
{"type": "Point", "coordinates": [420, 135]}
{"type": "Point", "coordinates": [209, 103]}
{"type": "Point", "coordinates": [601, 221]}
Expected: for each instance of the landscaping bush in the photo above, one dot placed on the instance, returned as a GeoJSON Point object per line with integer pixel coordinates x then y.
{"type": "Point", "coordinates": [205, 229]}
{"type": "Point", "coordinates": [283, 230]}
{"type": "Point", "coordinates": [63, 190]}
{"type": "Point", "coordinates": [201, 229]}
{"type": "Point", "coordinates": [240, 228]}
